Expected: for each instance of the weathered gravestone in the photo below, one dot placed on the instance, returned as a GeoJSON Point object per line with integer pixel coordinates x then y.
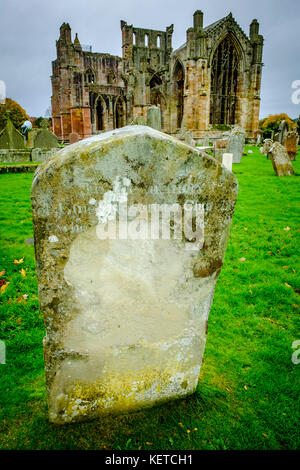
{"type": "Point", "coordinates": [10, 138]}
{"type": "Point", "coordinates": [227, 160]}
{"type": "Point", "coordinates": [154, 117]}
{"type": "Point", "coordinates": [236, 144]}
{"type": "Point", "coordinates": [291, 144]}
{"type": "Point", "coordinates": [220, 148]}
{"type": "Point", "coordinates": [45, 139]}
{"type": "Point", "coordinates": [266, 147]}
{"type": "Point", "coordinates": [73, 137]}
{"type": "Point", "coordinates": [126, 309]}
{"type": "Point", "coordinates": [188, 138]}
{"type": "Point", "coordinates": [139, 121]}
{"type": "Point", "coordinates": [280, 160]}
{"type": "Point", "coordinates": [283, 130]}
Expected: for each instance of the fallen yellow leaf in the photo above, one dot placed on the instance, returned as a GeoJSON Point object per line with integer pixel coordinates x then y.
{"type": "Point", "coordinates": [23, 299]}
{"type": "Point", "coordinates": [2, 272]}
{"type": "Point", "coordinates": [287, 285]}
{"type": "Point", "coordinates": [23, 272]}
{"type": "Point", "coordinates": [245, 387]}
{"type": "Point", "coordinates": [20, 261]}
{"type": "Point", "coordinates": [19, 320]}
{"type": "Point", "coordinates": [287, 229]}
{"type": "Point", "coordinates": [4, 287]}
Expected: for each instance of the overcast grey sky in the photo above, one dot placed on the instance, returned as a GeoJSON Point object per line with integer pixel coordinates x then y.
{"type": "Point", "coordinates": [29, 29]}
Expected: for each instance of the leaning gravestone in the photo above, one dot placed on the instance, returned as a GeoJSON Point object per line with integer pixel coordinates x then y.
{"type": "Point", "coordinates": [291, 144]}
{"type": "Point", "coordinates": [154, 117]}
{"type": "Point", "coordinates": [236, 144]}
{"type": "Point", "coordinates": [10, 138]}
{"type": "Point", "coordinates": [265, 149]}
{"type": "Point", "coordinates": [125, 301]}
{"type": "Point", "coordinates": [283, 130]}
{"type": "Point", "coordinates": [280, 160]}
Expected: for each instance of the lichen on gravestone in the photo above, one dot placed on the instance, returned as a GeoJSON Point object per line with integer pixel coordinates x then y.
{"type": "Point", "coordinates": [125, 291]}
{"type": "Point", "coordinates": [11, 138]}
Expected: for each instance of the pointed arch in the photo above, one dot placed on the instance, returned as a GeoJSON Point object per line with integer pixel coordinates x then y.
{"type": "Point", "coordinates": [225, 63]}
{"type": "Point", "coordinates": [101, 114]}
{"type": "Point", "coordinates": [178, 91]}
{"type": "Point", "coordinates": [120, 112]}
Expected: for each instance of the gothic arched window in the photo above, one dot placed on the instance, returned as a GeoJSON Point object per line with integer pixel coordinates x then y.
{"type": "Point", "coordinates": [224, 79]}
{"type": "Point", "coordinates": [179, 92]}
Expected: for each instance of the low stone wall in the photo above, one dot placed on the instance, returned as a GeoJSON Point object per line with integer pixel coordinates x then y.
{"type": "Point", "coordinates": [18, 156]}
{"type": "Point", "coordinates": [18, 168]}
{"type": "Point", "coordinates": [27, 155]}
{"type": "Point", "coordinates": [41, 155]}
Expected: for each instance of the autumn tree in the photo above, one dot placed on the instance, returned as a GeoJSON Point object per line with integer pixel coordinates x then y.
{"type": "Point", "coordinates": [17, 114]}
{"type": "Point", "coordinates": [272, 123]}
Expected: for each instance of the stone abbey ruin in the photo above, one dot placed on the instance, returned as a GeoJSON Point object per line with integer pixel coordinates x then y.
{"type": "Point", "coordinates": [212, 80]}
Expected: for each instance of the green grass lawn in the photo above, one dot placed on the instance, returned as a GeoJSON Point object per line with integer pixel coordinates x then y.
{"type": "Point", "coordinates": [248, 392]}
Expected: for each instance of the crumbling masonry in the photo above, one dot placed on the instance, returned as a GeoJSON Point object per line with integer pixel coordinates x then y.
{"type": "Point", "coordinates": [213, 79]}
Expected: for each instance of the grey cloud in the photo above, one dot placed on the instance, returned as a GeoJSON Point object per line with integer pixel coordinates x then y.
{"type": "Point", "coordinates": [28, 31]}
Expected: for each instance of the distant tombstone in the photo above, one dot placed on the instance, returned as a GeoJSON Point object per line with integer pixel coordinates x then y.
{"type": "Point", "coordinates": [10, 138]}
{"type": "Point", "coordinates": [45, 139]}
{"type": "Point", "coordinates": [188, 138]}
{"type": "Point", "coordinates": [283, 130]}
{"type": "Point", "coordinates": [205, 141]}
{"type": "Point", "coordinates": [44, 123]}
{"type": "Point", "coordinates": [139, 121]}
{"type": "Point", "coordinates": [31, 135]}
{"type": "Point", "coordinates": [73, 137]}
{"type": "Point", "coordinates": [291, 143]}
{"type": "Point", "coordinates": [227, 160]}
{"type": "Point", "coordinates": [266, 147]}
{"type": "Point", "coordinates": [236, 144]}
{"type": "Point", "coordinates": [221, 143]}
{"type": "Point", "coordinates": [126, 293]}
{"type": "Point", "coordinates": [259, 138]}
{"type": "Point", "coordinates": [220, 148]}
{"type": "Point", "coordinates": [280, 160]}
{"type": "Point", "coordinates": [154, 118]}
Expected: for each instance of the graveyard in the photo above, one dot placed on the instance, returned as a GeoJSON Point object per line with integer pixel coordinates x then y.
{"type": "Point", "coordinates": [149, 228]}
{"type": "Point", "coordinates": [247, 395]}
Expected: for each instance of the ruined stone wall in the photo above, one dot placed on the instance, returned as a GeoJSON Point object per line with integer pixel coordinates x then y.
{"type": "Point", "coordinates": [95, 92]}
